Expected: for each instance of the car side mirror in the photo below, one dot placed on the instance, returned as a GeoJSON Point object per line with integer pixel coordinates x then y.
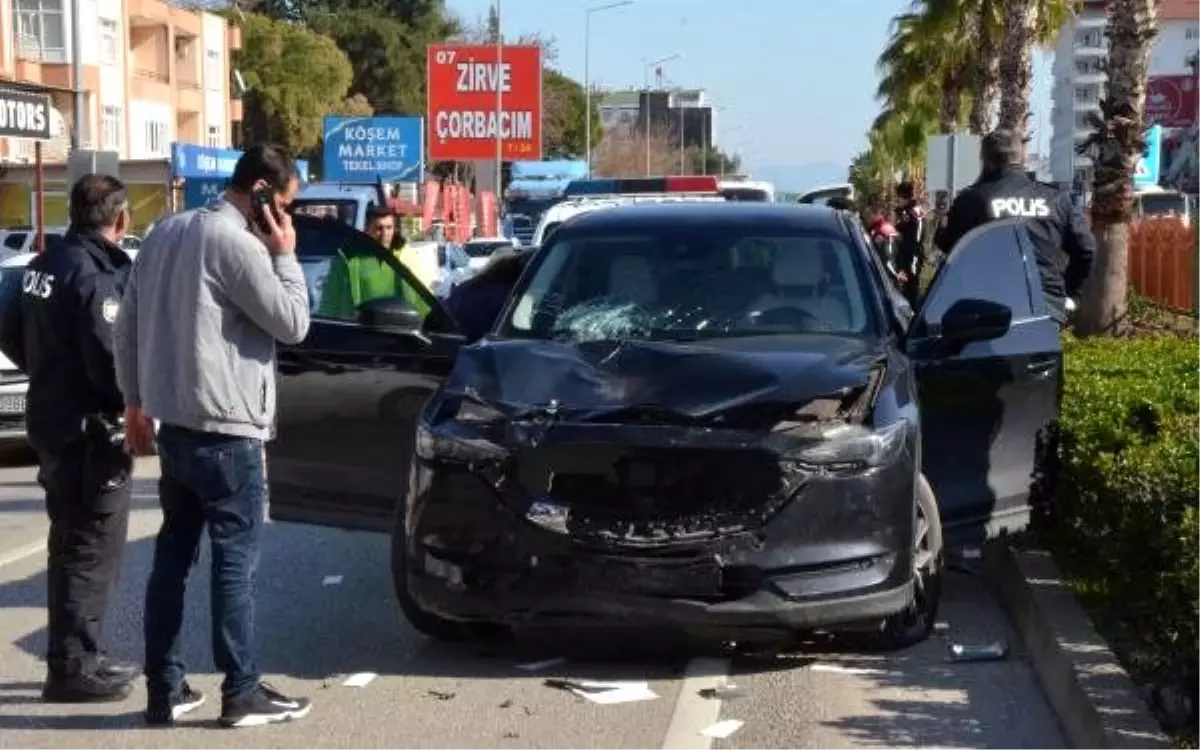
{"type": "Point", "coordinates": [390, 314]}
{"type": "Point", "coordinates": [975, 320]}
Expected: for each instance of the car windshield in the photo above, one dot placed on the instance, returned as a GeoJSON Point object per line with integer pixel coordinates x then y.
{"type": "Point", "coordinates": [345, 211]}
{"type": "Point", "coordinates": [1162, 204]}
{"type": "Point", "coordinates": [692, 284]}
{"type": "Point", "coordinates": [484, 249]}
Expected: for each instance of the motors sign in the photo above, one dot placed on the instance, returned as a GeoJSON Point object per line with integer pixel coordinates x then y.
{"type": "Point", "coordinates": [465, 81]}
{"type": "Point", "coordinates": [1171, 101]}
{"type": "Point", "coordinates": [25, 114]}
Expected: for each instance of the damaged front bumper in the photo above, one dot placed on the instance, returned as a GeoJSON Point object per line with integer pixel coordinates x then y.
{"type": "Point", "coordinates": [705, 531]}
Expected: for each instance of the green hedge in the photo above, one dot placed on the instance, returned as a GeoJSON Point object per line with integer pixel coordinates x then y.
{"type": "Point", "coordinates": [1124, 521]}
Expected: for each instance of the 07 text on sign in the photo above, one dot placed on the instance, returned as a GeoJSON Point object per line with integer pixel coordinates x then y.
{"type": "Point", "coordinates": [478, 95]}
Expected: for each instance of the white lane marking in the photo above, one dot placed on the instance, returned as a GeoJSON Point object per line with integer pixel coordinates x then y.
{"type": "Point", "coordinates": [692, 712]}
{"type": "Point", "coordinates": [22, 552]}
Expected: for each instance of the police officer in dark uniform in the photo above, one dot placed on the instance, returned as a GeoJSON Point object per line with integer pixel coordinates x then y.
{"type": "Point", "coordinates": [910, 250]}
{"type": "Point", "coordinates": [1062, 240]}
{"type": "Point", "coordinates": [59, 332]}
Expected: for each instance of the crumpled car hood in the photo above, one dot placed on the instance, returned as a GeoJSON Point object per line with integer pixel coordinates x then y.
{"type": "Point", "coordinates": [691, 379]}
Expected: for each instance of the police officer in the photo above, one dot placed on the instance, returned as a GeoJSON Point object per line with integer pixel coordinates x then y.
{"type": "Point", "coordinates": [910, 250]}
{"type": "Point", "coordinates": [59, 333]}
{"type": "Point", "coordinates": [1062, 240]}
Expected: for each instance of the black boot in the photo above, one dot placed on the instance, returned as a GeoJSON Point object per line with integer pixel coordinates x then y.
{"type": "Point", "coordinates": [85, 688]}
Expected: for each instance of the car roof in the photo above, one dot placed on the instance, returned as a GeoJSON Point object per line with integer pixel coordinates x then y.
{"type": "Point", "coordinates": [18, 261]}
{"type": "Point", "coordinates": [642, 216]}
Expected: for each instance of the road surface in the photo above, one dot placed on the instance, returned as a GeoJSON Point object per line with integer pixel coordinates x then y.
{"type": "Point", "coordinates": [313, 635]}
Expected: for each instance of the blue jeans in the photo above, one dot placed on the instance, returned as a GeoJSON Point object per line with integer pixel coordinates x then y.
{"type": "Point", "coordinates": [219, 482]}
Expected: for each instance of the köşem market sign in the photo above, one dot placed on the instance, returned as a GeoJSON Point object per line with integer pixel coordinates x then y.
{"type": "Point", "coordinates": [24, 114]}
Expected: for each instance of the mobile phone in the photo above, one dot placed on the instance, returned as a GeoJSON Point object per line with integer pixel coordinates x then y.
{"type": "Point", "coordinates": [264, 200]}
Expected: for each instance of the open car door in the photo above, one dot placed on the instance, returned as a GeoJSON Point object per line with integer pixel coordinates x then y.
{"type": "Point", "coordinates": [350, 393]}
{"type": "Point", "coordinates": [986, 400]}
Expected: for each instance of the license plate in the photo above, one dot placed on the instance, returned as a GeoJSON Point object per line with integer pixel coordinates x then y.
{"type": "Point", "coordinates": [653, 578]}
{"type": "Point", "coordinates": [12, 404]}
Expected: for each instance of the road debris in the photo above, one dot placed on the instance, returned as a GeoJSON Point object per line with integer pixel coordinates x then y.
{"type": "Point", "coordinates": [506, 703]}
{"type": "Point", "coordinates": [965, 652]}
{"type": "Point", "coordinates": [722, 729]}
{"type": "Point", "coordinates": [362, 679]}
{"type": "Point", "coordinates": [722, 692]}
{"type": "Point", "coordinates": [331, 581]}
{"type": "Point", "coordinates": [606, 693]}
{"type": "Point", "coordinates": [537, 666]}
{"type": "Point", "coordinates": [442, 695]}
{"type": "Point", "coordinates": [838, 669]}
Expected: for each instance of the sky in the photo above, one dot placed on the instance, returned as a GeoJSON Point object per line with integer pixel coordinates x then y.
{"type": "Point", "coordinates": [796, 78]}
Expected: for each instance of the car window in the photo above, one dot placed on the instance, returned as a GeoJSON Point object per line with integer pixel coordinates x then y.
{"type": "Point", "coordinates": [694, 284]}
{"type": "Point", "coordinates": [345, 211]}
{"type": "Point", "coordinates": [10, 284]}
{"type": "Point", "coordinates": [343, 269]}
{"type": "Point", "coordinates": [484, 249]}
{"type": "Point", "coordinates": [15, 241]}
{"type": "Point", "coordinates": [997, 273]}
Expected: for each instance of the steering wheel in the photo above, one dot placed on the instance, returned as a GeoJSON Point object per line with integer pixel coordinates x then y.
{"type": "Point", "coordinates": [785, 315]}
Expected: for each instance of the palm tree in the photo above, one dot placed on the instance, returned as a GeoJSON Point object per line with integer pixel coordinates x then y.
{"type": "Point", "coordinates": [1115, 147]}
{"type": "Point", "coordinates": [925, 62]}
{"type": "Point", "coordinates": [1025, 23]}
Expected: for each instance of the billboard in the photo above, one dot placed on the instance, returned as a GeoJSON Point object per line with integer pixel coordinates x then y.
{"type": "Point", "coordinates": [1171, 101]}
{"type": "Point", "coordinates": [465, 81]}
{"type": "Point", "coordinates": [362, 149]}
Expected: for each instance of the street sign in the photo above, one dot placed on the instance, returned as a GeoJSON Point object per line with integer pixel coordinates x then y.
{"type": "Point", "coordinates": [1148, 168]}
{"type": "Point", "coordinates": [951, 162]}
{"type": "Point", "coordinates": [199, 192]}
{"type": "Point", "coordinates": [25, 114]}
{"type": "Point", "coordinates": [465, 81]}
{"type": "Point", "coordinates": [363, 149]}
{"type": "Point", "coordinates": [85, 161]}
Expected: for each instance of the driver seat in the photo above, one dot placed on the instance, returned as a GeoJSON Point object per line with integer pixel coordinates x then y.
{"type": "Point", "coordinates": [801, 283]}
{"type": "Point", "coordinates": [631, 279]}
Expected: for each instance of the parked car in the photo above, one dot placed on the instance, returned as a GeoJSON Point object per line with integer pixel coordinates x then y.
{"type": "Point", "coordinates": [717, 418]}
{"type": "Point", "coordinates": [480, 249]}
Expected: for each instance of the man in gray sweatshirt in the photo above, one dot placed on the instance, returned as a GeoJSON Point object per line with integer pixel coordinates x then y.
{"type": "Point", "coordinates": [211, 293]}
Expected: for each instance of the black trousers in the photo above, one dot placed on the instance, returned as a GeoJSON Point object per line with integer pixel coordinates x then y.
{"type": "Point", "coordinates": [88, 493]}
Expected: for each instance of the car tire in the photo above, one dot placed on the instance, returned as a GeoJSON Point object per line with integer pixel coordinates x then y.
{"type": "Point", "coordinates": [426, 623]}
{"type": "Point", "coordinates": [915, 623]}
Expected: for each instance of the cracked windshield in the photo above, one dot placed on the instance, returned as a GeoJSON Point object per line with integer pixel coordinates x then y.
{"type": "Point", "coordinates": [599, 373]}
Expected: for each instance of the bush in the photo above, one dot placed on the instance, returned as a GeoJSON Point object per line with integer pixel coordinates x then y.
{"type": "Point", "coordinates": [1125, 516]}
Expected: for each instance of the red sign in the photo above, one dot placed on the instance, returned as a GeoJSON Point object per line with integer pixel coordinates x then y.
{"type": "Point", "coordinates": [1171, 101]}
{"type": "Point", "coordinates": [473, 100]}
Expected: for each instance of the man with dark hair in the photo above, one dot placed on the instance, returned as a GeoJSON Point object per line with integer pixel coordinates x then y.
{"type": "Point", "coordinates": [1062, 240]}
{"type": "Point", "coordinates": [59, 332]}
{"type": "Point", "coordinates": [212, 292]}
{"type": "Point", "coordinates": [910, 253]}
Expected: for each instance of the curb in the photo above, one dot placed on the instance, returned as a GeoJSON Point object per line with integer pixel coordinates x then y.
{"type": "Point", "coordinates": [1096, 702]}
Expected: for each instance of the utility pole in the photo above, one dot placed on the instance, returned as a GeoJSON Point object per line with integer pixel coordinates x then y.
{"type": "Point", "coordinates": [499, 103]}
{"type": "Point", "coordinates": [77, 73]}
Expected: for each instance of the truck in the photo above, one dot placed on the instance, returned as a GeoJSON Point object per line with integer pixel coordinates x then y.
{"type": "Point", "coordinates": [534, 187]}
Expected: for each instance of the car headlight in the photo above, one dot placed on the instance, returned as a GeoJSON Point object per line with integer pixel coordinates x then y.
{"type": "Point", "coordinates": [855, 446]}
{"type": "Point", "coordinates": [473, 411]}
{"type": "Point", "coordinates": [445, 443]}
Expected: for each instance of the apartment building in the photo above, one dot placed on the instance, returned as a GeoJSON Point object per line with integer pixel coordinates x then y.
{"type": "Point", "coordinates": [152, 73]}
{"type": "Point", "coordinates": [1079, 79]}
{"type": "Point", "coordinates": [681, 111]}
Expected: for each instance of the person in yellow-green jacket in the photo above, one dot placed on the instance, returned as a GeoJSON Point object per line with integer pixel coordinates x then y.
{"type": "Point", "coordinates": [353, 281]}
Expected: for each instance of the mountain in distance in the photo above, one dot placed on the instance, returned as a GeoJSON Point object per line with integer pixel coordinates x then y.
{"type": "Point", "coordinates": [800, 177]}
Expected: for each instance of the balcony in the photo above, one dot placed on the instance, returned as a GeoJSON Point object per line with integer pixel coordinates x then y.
{"type": "Point", "coordinates": [233, 36]}
{"type": "Point", "coordinates": [236, 112]}
{"type": "Point", "coordinates": [147, 13]}
{"type": "Point", "coordinates": [150, 85]}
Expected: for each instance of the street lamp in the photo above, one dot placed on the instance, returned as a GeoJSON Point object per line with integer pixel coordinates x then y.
{"type": "Point", "coordinates": [646, 83]}
{"type": "Point", "coordinates": [587, 83]}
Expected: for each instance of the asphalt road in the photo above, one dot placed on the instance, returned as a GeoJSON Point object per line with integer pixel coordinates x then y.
{"type": "Point", "coordinates": [313, 635]}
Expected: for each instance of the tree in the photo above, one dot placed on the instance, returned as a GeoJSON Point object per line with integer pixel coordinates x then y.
{"type": "Point", "coordinates": [623, 153]}
{"type": "Point", "coordinates": [387, 57]}
{"type": "Point", "coordinates": [294, 77]}
{"type": "Point", "coordinates": [1115, 147]}
{"type": "Point", "coordinates": [713, 161]}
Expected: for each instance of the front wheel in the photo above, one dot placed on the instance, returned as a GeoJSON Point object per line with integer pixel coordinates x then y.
{"type": "Point", "coordinates": [425, 622]}
{"type": "Point", "coordinates": [915, 623]}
